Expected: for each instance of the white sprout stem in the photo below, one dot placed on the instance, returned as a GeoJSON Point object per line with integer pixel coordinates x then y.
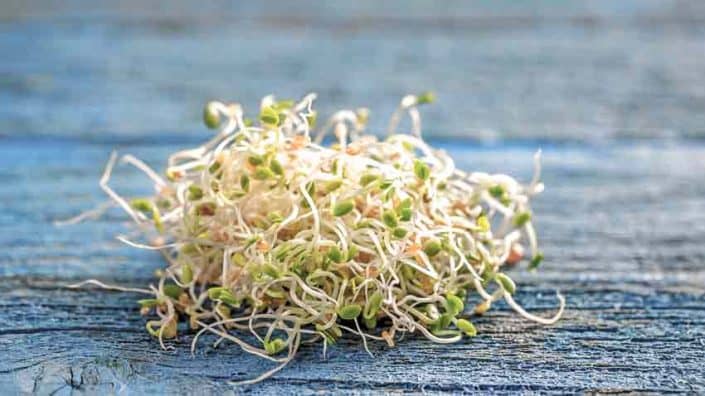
{"type": "Point", "coordinates": [546, 321]}
{"type": "Point", "coordinates": [268, 235]}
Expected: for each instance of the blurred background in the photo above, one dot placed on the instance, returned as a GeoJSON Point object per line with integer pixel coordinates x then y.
{"type": "Point", "coordinates": [553, 70]}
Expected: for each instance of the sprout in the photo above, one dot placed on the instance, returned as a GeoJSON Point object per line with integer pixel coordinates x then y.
{"type": "Point", "coordinates": [454, 305]}
{"type": "Point", "coordinates": [148, 302]}
{"type": "Point", "coordinates": [343, 208]}
{"type": "Point", "coordinates": [506, 282]}
{"type": "Point", "coordinates": [143, 205]}
{"type": "Point", "coordinates": [269, 236]}
{"type": "Point", "coordinates": [335, 254]}
{"type": "Point", "coordinates": [390, 218]}
{"type": "Point", "coordinates": [522, 218]}
{"type": "Point", "coordinates": [350, 312]}
{"type": "Point", "coordinates": [536, 261]}
{"type": "Point", "coordinates": [368, 178]}
{"type": "Point", "coordinates": [399, 232]}
{"type": "Point", "coordinates": [466, 327]}
{"type": "Point", "coordinates": [173, 291]}
{"type": "Point", "coordinates": [426, 97]}
{"type": "Point", "coordinates": [186, 274]}
{"type": "Point", "coordinates": [421, 170]}
{"type": "Point", "coordinates": [276, 167]}
{"type": "Point", "coordinates": [245, 182]}
{"type": "Point", "coordinates": [432, 247]}
{"type": "Point", "coordinates": [255, 160]}
{"type": "Point", "coordinates": [262, 173]}
{"type": "Point", "coordinates": [194, 193]}
{"type": "Point", "coordinates": [211, 116]}
{"type": "Point", "coordinates": [496, 191]}
{"type": "Point", "coordinates": [269, 116]}
{"type": "Point", "coordinates": [373, 305]}
{"type": "Point", "coordinates": [483, 223]}
{"type": "Point", "coordinates": [405, 214]}
{"type": "Point", "coordinates": [274, 346]}
{"type": "Point", "coordinates": [332, 185]}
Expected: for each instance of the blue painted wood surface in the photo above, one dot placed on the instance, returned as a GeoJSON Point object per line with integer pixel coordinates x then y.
{"type": "Point", "coordinates": [611, 91]}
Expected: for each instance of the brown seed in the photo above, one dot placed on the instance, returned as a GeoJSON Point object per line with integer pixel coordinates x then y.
{"type": "Point", "coordinates": [184, 299]}
{"type": "Point", "coordinates": [298, 142]}
{"type": "Point", "coordinates": [169, 329]}
{"type": "Point", "coordinates": [353, 149]}
{"type": "Point", "coordinates": [166, 191]}
{"type": "Point", "coordinates": [363, 257]}
{"type": "Point", "coordinates": [516, 253]}
{"type": "Point", "coordinates": [389, 337]}
{"type": "Point", "coordinates": [262, 246]}
{"type": "Point", "coordinates": [193, 322]}
{"type": "Point", "coordinates": [482, 307]}
{"type": "Point", "coordinates": [174, 174]}
{"type": "Point", "coordinates": [220, 158]}
{"type": "Point", "coordinates": [413, 249]}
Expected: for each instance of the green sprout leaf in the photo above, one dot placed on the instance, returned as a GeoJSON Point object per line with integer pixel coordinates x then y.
{"type": "Point", "coordinates": [211, 117]}
{"type": "Point", "coordinates": [335, 254]}
{"type": "Point", "coordinates": [262, 173]}
{"type": "Point", "coordinates": [466, 327]}
{"type": "Point", "coordinates": [389, 218]}
{"type": "Point", "coordinates": [141, 204]}
{"type": "Point", "coordinates": [148, 302]}
{"type": "Point", "coordinates": [255, 160]}
{"type": "Point", "coordinates": [522, 218]}
{"type": "Point", "coordinates": [350, 312]}
{"type": "Point", "coordinates": [311, 119]}
{"type": "Point", "coordinates": [368, 178]}
{"type": "Point", "coordinates": [342, 208]}
{"type": "Point", "coordinates": [269, 116]}
{"type": "Point", "coordinates": [496, 191]}
{"type": "Point", "coordinates": [374, 303]}
{"type": "Point", "coordinates": [276, 167]}
{"type": "Point", "coordinates": [172, 291]}
{"type": "Point", "coordinates": [536, 261]}
{"type": "Point", "coordinates": [421, 170]}
{"type": "Point", "coordinates": [284, 104]}
{"type": "Point", "coordinates": [453, 305]}
{"type": "Point", "coordinates": [274, 346]}
{"type": "Point", "coordinates": [399, 232]}
{"type": "Point", "coordinates": [332, 185]}
{"type": "Point", "coordinates": [245, 182]}
{"type": "Point", "coordinates": [506, 282]}
{"type": "Point", "coordinates": [214, 292]}
{"type": "Point", "coordinates": [443, 321]}
{"type": "Point", "coordinates": [224, 295]}
{"type": "Point", "coordinates": [483, 223]}
{"type": "Point", "coordinates": [405, 214]}
{"type": "Point", "coordinates": [194, 192]}
{"type": "Point", "coordinates": [186, 274]}
{"type": "Point", "coordinates": [426, 97]}
{"type": "Point", "coordinates": [432, 247]}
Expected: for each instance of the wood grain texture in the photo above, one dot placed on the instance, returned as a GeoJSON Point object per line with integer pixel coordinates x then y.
{"type": "Point", "coordinates": [612, 91]}
{"type": "Point", "coordinates": [624, 245]}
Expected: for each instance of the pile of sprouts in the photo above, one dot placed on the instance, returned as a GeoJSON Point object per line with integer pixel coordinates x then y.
{"type": "Point", "coordinates": [273, 238]}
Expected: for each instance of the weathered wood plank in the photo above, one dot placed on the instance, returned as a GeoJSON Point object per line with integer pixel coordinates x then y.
{"type": "Point", "coordinates": [647, 341]}
{"type": "Point", "coordinates": [629, 262]}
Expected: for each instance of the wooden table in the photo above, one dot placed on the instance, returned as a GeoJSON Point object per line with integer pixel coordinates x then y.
{"type": "Point", "coordinates": [612, 94]}
{"type": "Point", "coordinates": [622, 227]}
